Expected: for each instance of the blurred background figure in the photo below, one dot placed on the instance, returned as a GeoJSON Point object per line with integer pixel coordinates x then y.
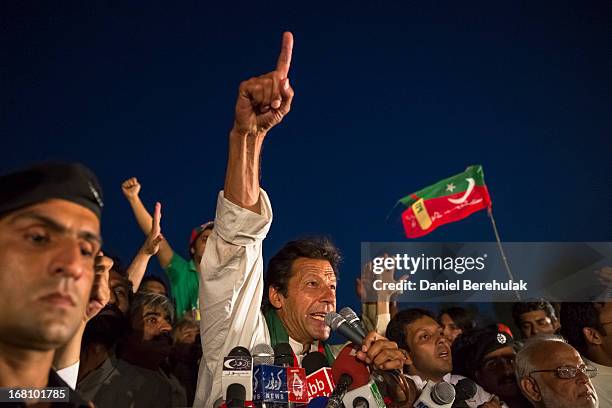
{"type": "Point", "coordinates": [456, 320]}
{"type": "Point", "coordinates": [538, 317]}
{"type": "Point", "coordinates": [588, 328]}
{"type": "Point", "coordinates": [104, 378]}
{"type": "Point", "coordinates": [486, 356]}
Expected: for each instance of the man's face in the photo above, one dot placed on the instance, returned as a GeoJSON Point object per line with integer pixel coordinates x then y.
{"type": "Point", "coordinates": [47, 255]}
{"type": "Point", "coordinates": [153, 286]}
{"type": "Point", "coordinates": [200, 243]}
{"type": "Point", "coordinates": [451, 330]}
{"type": "Point", "coordinates": [153, 321]}
{"type": "Point", "coordinates": [605, 318]}
{"type": "Point", "coordinates": [577, 392]}
{"type": "Point", "coordinates": [311, 294]}
{"type": "Point", "coordinates": [536, 322]}
{"type": "Point", "coordinates": [496, 373]}
{"type": "Point", "coordinates": [110, 324]}
{"type": "Point", "coordinates": [430, 352]}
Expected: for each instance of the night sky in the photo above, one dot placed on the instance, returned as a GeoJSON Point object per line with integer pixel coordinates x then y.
{"type": "Point", "coordinates": [390, 97]}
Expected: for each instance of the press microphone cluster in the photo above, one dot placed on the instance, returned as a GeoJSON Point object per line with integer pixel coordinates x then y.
{"type": "Point", "coordinates": [279, 383]}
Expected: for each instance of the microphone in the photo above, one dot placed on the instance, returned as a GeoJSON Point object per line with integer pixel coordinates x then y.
{"type": "Point", "coordinates": [297, 391]}
{"type": "Point", "coordinates": [235, 396]}
{"type": "Point", "coordinates": [318, 375]}
{"type": "Point", "coordinates": [465, 389]}
{"type": "Point", "coordinates": [347, 363]}
{"type": "Point", "coordinates": [353, 320]}
{"type": "Point", "coordinates": [238, 369]}
{"type": "Point", "coordinates": [262, 354]}
{"type": "Point", "coordinates": [283, 355]}
{"type": "Point", "coordinates": [339, 324]}
{"type": "Point", "coordinates": [440, 394]}
{"type": "Point", "coordinates": [336, 397]}
{"type": "Point", "coordinates": [366, 396]}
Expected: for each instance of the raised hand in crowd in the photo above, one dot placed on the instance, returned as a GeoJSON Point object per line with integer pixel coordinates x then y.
{"type": "Point", "coordinates": [131, 190]}
{"type": "Point", "coordinates": [151, 247]}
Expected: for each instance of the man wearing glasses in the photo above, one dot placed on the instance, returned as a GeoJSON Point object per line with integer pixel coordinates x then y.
{"type": "Point", "coordinates": [551, 374]}
{"type": "Point", "coordinates": [589, 330]}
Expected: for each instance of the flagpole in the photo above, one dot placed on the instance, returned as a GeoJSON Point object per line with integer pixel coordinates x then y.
{"type": "Point", "coordinates": [501, 249]}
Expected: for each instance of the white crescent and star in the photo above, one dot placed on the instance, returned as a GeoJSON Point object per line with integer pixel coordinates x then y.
{"type": "Point", "coordinates": [471, 184]}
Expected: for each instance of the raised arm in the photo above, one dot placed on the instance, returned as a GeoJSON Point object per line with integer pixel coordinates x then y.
{"type": "Point", "coordinates": [131, 191]}
{"type": "Point", "coordinates": [262, 103]}
{"type": "Point", "coordinates": [151, 246]}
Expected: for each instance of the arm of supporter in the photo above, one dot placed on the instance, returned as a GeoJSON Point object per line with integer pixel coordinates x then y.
{"type": "Point", "coordinates": [69, 354]}
{"type": "Point", "coordinates": [131, 191]}
{"type": "Point", "coordinates": [231, 270]}
{"type": "Point", "coordinates": [151, 246]}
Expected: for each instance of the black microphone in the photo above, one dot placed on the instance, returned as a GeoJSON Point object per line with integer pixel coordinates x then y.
{"type": "Point", "coordinates": [235, 396]}
{"type": "Point", "coordinates": [353, 320]}
{"type": "Point", "coordinates": [335, 399]}
{"type": "Point", "coordinates": [339, 324]}
{"type": "Point", "coordinates": [465, 389]}
{"type": "Point", "coordinates": [283, 355]}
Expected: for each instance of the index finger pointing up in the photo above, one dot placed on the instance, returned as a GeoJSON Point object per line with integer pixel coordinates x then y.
{"type": "Point", "coordinates": [284, 59]}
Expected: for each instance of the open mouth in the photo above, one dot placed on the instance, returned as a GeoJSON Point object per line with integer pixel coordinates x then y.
{"type": "Point", "coordinates": [318, 316]}
{"type": "Point", "coordinates": [444, 354]}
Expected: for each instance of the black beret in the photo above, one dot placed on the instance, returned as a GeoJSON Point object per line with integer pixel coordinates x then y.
{"type": "Point", "coordinates": [68, 181]}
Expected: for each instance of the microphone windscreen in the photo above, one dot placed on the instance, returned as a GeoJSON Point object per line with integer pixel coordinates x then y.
{"type": "Point", "coordinates": [465, 389]}
{"type": "Point", "coordinates": [239, 351]}
{"type": "Point", "coordinates": [347, 363]}
{"type": "Point", "coordinates": [443, 393]}
{"type": "Point", "coordinates": [262, 354]}
{"type": "Point", "coordinates": [314, 361]}
{"type": "Point", "coordinates": [235, 396]}
{"type": "Point", "coordinates": [283, 355]}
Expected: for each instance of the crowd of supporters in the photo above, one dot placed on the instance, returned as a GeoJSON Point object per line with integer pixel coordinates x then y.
{"type": "Point", "coordinates": [71, 315]}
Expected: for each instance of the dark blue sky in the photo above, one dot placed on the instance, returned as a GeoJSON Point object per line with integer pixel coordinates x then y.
{"type": "Point", "coordinates": [390, 97]}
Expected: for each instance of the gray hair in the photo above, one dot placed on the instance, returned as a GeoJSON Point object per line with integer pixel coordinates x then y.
{"type": "Point", "coordinates": [155, 301]}
{"type": "Point", "coordinates": [523, 363]}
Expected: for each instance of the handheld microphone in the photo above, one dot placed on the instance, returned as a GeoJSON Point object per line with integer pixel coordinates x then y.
{"type": "Point", "coordinates": [238, 369]}
{"type": "Point", "coordinates": [366, 396]}
{"type": "Point", "coordinates": [353, 320]}
{"type": "Point", "coordinates": [336, 397]}
{"type": "Point", "coordinates": [434, 395]}
{"type": "Point", "coordinates": [339, 324]}
{"type": "Point", "coordinates": [347, 363]}
{"type": "Point", "coordinates": [465, 389]}
{"type": "Point", "coordinates": [318, 375]}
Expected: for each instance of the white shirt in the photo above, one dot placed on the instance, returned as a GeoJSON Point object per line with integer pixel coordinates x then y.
{"type": "Point", "coordinates": [602, 383]}
{"type": "Point", "coordinates": [231, 290]}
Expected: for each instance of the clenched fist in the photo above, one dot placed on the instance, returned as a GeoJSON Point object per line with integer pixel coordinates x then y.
{"type": "Point", "coordinates": [130, 188]}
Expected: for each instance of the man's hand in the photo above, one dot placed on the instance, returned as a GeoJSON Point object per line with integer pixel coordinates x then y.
{"type": "Point", "coordinates": [131, 188]}
{"type": "Point", "coordinates": [100, 291]}
{"type": "Point", "coordinates": [364, 285]}
{"type": "Point", "coordinates": [155, 237]}
{"type": "Point", "coordinates": [381, 352]}
{"type": "Point", "coordinates": [493, 403]}
{"type": "Point", "coordinates": [263, 101]}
